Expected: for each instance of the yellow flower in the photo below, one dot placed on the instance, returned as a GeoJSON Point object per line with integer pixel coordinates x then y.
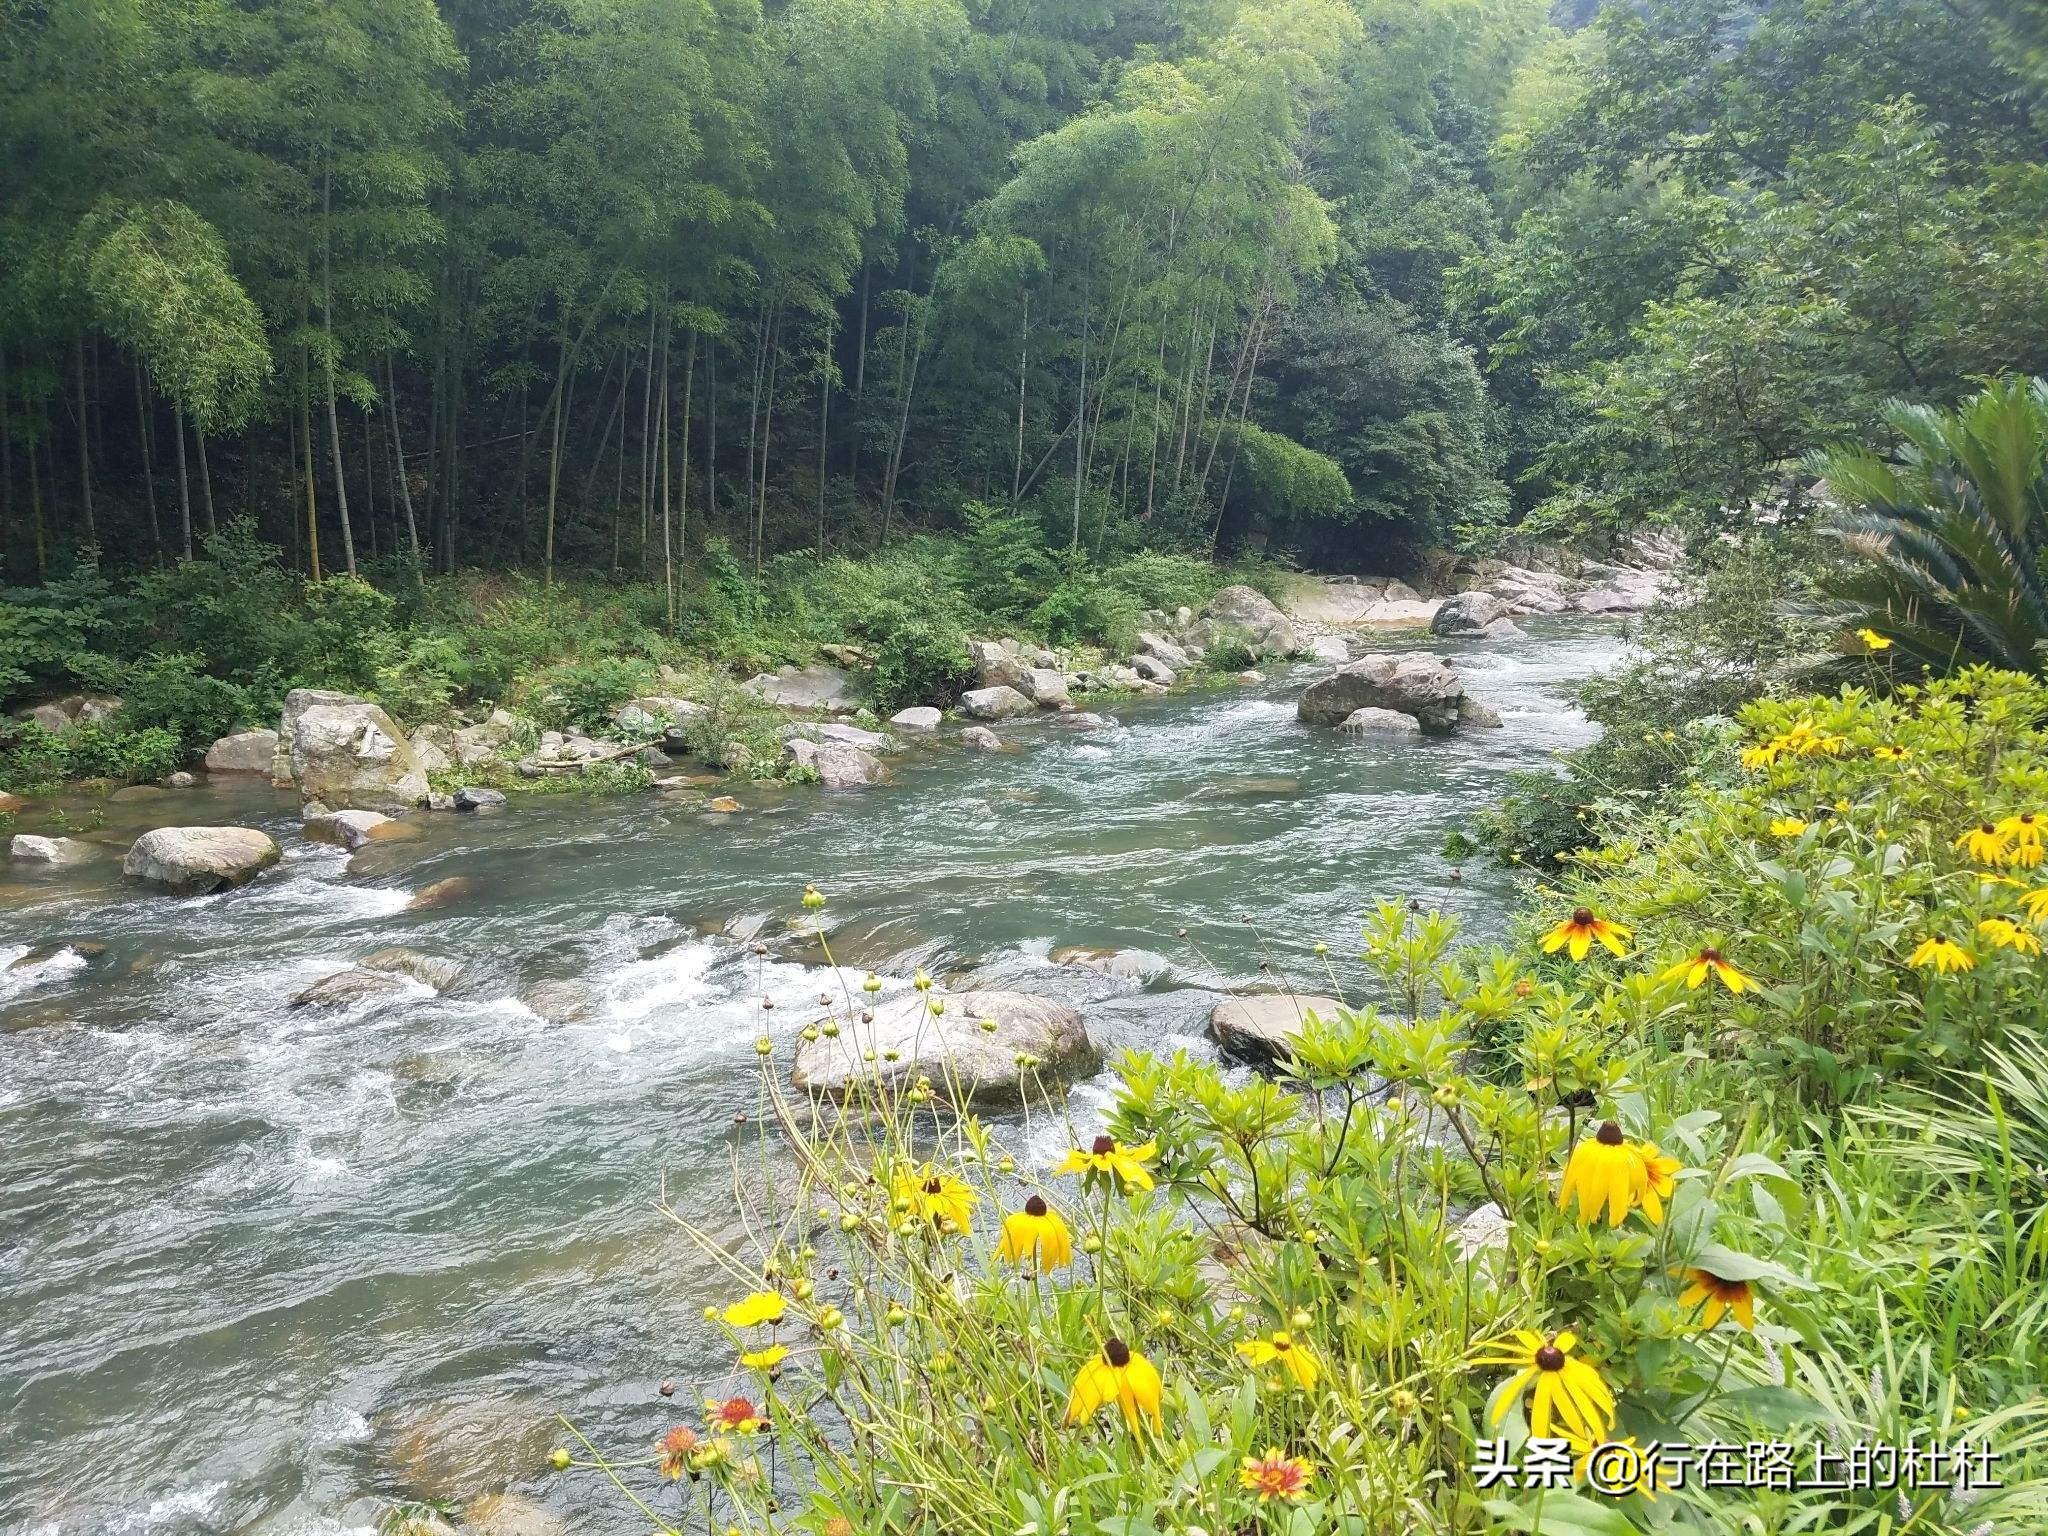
{"type": "Point", "coordinates": [2007, 934]}
{"type": "Point", "coordinates": [1695, 969]}
{"type": "Point", "coordinates": [1104, 1155]}
{"type": "Point", "coordinates": [1604, 1171]}
{"type": "Point", "coordinates": [1891, 754]}
{"type": "Point", "coordinates": [1715, 1298]}
{"type": "Point", "coordinates": [1274, 1475]}
{"type": "Point", "coordinates": [1943, 955]}
{"type": "Point", "coordinates": [1803, 740]}
{"type": "Point", "coordinates": [1567, 1392]}
{"type": "Point", "coordinates": [1295, 1358]}
{"type": "Point", "coordinates": [1660, 1178]}
{"type": "Point", "coordinates": [764, 1359]}
{"type": "Point", "coordinates": [1872, 640]}
{"type": "Point", "coordinates": [1037, 1233]}
{"type": "Point", "coordinates": [1787, 826]}
{"type": "Point", "coordinates": [760, 1307]}
{"type": "Point", "coordinates": [736, 1415]}
{"type": "Point", "coordinates": [1581, 929]}
{"type": "Point", "coordinates": [1984, 842]}
{"type": "Point", "coordinates": [1763, 754]}
{"type": "Point", "coordinates": [936, 1197]}
{"type": "Point", "coordinates": [1116, 1374]}
{"type": "Point", "coordinates": [2035, 904]}
{"type": "Point", "coordinates": [2024, 833]}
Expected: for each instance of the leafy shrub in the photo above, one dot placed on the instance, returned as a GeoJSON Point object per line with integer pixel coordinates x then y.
{"type": "Point", "coordinates": [1228, 653]}
{"type": "Point", "coordinates": [348, 630]}
{"type": "Point", "coordinates": [582, 695]}
{"type": "Point", "coordinates": [115, 751]}
{"type": "Point", "coordinates": [172, 693]}
{"type": "Point", "coordinates": [1085, 610]}
{"type": "Point", "coordinates": [920, 663]}
{"type": "Point", "coordinates": [1163, 580]}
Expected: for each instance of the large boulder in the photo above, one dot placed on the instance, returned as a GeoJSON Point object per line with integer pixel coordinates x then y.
{"type": "Point", "coordinates": [838, 764]}
{"type": "Point", "coordinates": [195, 860]}
{"type": "Point", "coordinates": [954, 1049]}
{"type": "Point", "coordinates": [296, 703]}
{"type": "Point", "coordinates": [61, 715]}
{"type": "Point", "coordinates": [836, 730]}
{"type": "Point", "coordinates": [919, 717]}
{"type": "Point", "coordinates": [1261, 1025]}
{"type": "Point", "coordinates": [999, 666]}
{"type": "Point", "coordinates": [1468, 613]}
{"type": "Point", "coordinates": [1409, 683]}
{"type": "Point", "coordinates": [429, 970]}
{"type": "Point", "coordinates": [351, 986]}
{"type": "Point", "coordinates": [997, 703]}
{"type": "Point", "coordinates": [1046, 687]}
{"type": "Point", "coordinates": [1250, 613]}
{"type": "Point", "coordinates": [352, 829]}
{"type": "Point", "coordinates": [814, 687]}
{"type": "Point", "coordinates": [1162, 649]}
{"type": "Point", "coordinates": [243, 752]}
{"type": "Point", "coordinates": [353, 756]}
{"type": "Point", "coordinates": [1153, 670]}
{"type": "Point", "coordinates": [30, 849]}
{"type": "Point", "coordinates": [980, 738]}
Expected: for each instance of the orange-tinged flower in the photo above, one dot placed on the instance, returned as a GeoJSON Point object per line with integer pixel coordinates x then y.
{"type": "Point", "coordinates": [1716, 1298]}
{"type": "Point", "coordinates": [1105, 1155]}
{"type": "Point", "coordinates": [1563, 1390]}
{"type": "Point", "coordinates": [1943, 954]}
{"type": "Point", "coordinates": [1036, 1233]}
{"type": "Point", "coordinates": [673, 1453]}
{"type": "Point", "coordinates": [1709, 961]}
{"type": "Point", "coordinates": [736, 1415]}
{"type": "Point", "coordinates": [2007, 934]}
{"type": "Point", "coordinates": [1604, 1173]}
{"type": "Point", "coordinates": [1287, 1352]}
{"type": "Point", "coordinates": [1274, 1475]}
{"type": "Point", "coordinates": [1581, 929]}
{"type": "Point", "coordinates": [1117, 1374]}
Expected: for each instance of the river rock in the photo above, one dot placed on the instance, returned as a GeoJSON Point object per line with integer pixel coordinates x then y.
{"type": "Point", "coordinates": [813, 687]}
{"type": "Point", "coordinates": [563, 1002]}
{"type": "Point", "coordinates": [725, 805]}
{"type": "Point", "coordinates": [851, 735]}
{"type": "Point", "coordinates": [1047, 687]}
{"type": "Point", "coordinates": [997, 665]}
{"type": "Point", "coordinates": [997, 703]}
{"type": "Point", "coordinates": [953, 1048]}
{"type": "Point", "coordinates": [1261, 1025]}
{"type": "Point", "coordinates": [661, 714]}
{"type": "Point", "coordinates": [1467, 613]}
{"type": "Point", "coordinates": [56, 851]}
{"type": "Point", "coordinates": [838, 764]}
{"type": "Point", "coordinates": [428, 970]}
{"type": "Point", "coordinates": [243, 752]}
{"type": "Point", "coordinates": [194, 860]}
{"type": "Point", "coordinates": [1330, 648]}
{"type": "Point", "coordinates": [1472, 712]}
{"type": "Point", "coordinates": [483, 742]}
{"type": "Point", "coordinates": [1380, 722]}
{"type": "Point", "coordinates": [352, 756]}
{"type": "Point", "coordinates": [181, 780]}
{"type": "Point", "coordinates": [443, 893]}
{"type": "Point", "coordinates": [61, 715]}
{"type": "Point", "coordinates": [296, 703]}
{"type": "Point", "coordinates": [10, 803]}
{"type": "Point", "coordinates": [347, 829]}
{"type": "Point", "coordinates": [1484, 1229]}
{"type": "Point", "coordinates": [1140, 965]}
{"type": "Point", "coordinates": [1162, 650]}
{"type": "Point", "coordinates": [1413, 683]}
{"type": "Point", "coordinates": [980, 738]}
{"type": "Point", "coordinates": [919, 717]}
{"type": "Point", "coordinates": [1248, 612]}
{"type": "Point", "coordinates": [1153, 670]}
{"type": "Point", "coordinates": [351, 986]}
{"type": "Point", "coordinates": [472, 798]}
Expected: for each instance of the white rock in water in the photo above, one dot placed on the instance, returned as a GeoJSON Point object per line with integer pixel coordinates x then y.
{"type": "Point", "coordinates": [1380, 722]}
{"type": "Point", "coordinates": [998, 703]}
{"type": "Point", "coordinates": [353, 756]}
{"type": "Point", "coordinates": [962, 1057]}
{"type": "Point", "coordinates": [839, 764]}
{"type": "Point", "coordinates": [1261, 1024]}
{"type": "Point", "coordinates": [919, 717]}
{"type": "Point", "coordinates": [30, 849]}
{"type": "Point", "coordinates": [1410, 682]}
{"type": "Point", "coordinates": [243, 752]}
{"type": "Point", "coordinates": [347, 829]}
{"type": "Point", "coordinates": [195, 860]}
{"type": "Point", "coordinates": [981, 739]}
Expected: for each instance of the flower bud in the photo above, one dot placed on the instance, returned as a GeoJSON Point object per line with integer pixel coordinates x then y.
{"type": "Point", "coordinates": [559, 1459]}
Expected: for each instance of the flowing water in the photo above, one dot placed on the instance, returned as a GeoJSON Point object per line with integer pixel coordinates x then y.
{"type": "Point", "coordinates": [260, 1265]}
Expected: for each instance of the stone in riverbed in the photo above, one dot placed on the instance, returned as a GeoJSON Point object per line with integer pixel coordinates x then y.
{"type": "Point", "coordinates": [1467, 613]}
{"type": "Point", "coordinates": [26, 848]}
{"type": "Point", "coordinates": [1411, 683]}
{"type": "Point", "coordinates": [351, 986]}
{"type": "Point", "coordinates": [838, 764]}
{"type": "Point", "coordinates": [980, 738]}
{"type": "Point", "coordinates": [296, 703]}
{"type": "Point", "coordinates": [243, 752]}
{"type": "Point", "coordinates": [192, 861]}
{"type": "Point", "coordinates": [814, 687]}
{"type": "Point", "coordinates": [1330, 648]}
{"type": "Point", "coordinates": [953, 1048]}
{"type": "Point", "coordinates": [997, 703]}
{"type": "Point", "coordinates": [1047, 687]}
{"type": "Point", "coordinates": [725, 805]}
{"type": "Point", "coordinates": [352, 756]}
{"type": "Point", "coordinates": [180, 780]}
{"type": "Point", "coordinates": [1162, 650]}
{"type": "Point", "coordinates": [835, 730]}
{"type": "Point", "coordinates": [1380, 722]}
{"type": "Point", "coordinates": [563, 1002]}
{"type": "Point", "coordinates": [1472, 712]}
{"type": "Point", "coordinates": [472, 798]}
{"type": "Point", "coordinates": [428, 970]}
{"type": "Point", "coordinates": [352, 829]}
{"type": "Point", "coordinates": [1153, 670]}
{"type": "Point", "coordinates": [443, 893]}
{"type": "Point", "coordinates": [1260, 1025]}
{"type": "Point", "coordinates": [919, 717]}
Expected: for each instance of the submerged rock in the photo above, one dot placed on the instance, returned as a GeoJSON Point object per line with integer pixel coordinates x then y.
{"type": "Point", "coordinates": [352, 829]}
{"type": "Point", "coordinates": [563, 1002]}
{"type": "Point", "coordinates": [429, 970]}
{"type": "Point", "coordinates": [352, 986]}
{"type": "Point", "coordinates": [443, 893]}
{"type": "Point", "coordinates": [1260, 1025]}
{"type": "Point", "coordinates": [29, 849]}
{"type": "Point", "coordinates": [195, 860]}
{"type": "Point", "coordinates": [980, 738]}
{"type": "Point", "coordinates": [955, 1050]}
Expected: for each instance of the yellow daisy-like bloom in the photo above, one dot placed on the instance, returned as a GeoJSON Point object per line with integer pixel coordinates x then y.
{"type": "Point", "coordinates": [1116, 1374]}
{"type": "Point", "coordinates": [2035, 904]}
{"type": "Point", "coordinates": [1943, 954]}
{"type": "Point", "coordinates": [1984, 842]}
{"type": "Point", "coordinates": [1105, 1156]}
{"type": "Point", "coordinates": [1581, 929]}
{"type": "Point", "coordinates": [1296, 1359]}
{"type": "Point", "coordinates": [1891, 754]}
{"type": "Point", "coordinates": [1036, 1233]}
{"type": "Point", "coordinates": [760, 1307]}
{"type": "Point", "coordinates": [1788, 826]}
{"type": "Point", "coordinates": [2024, 833]}
{"type": "Point", "coordinates": [1716, 1298]}
{"type": "Point", "coordinates": [1562, 1390]}
{"type": "Point", "coordinates": [1695, 969]}
{"type": "Point", "coordinates": [2007, 934]}
{"type": "Point", "coordinates": [1763, 754]}
{"type": "Point", "coordinates": [1604, 1172]}
{"type": "Point", "coordinates": [1872, 640]}
{"type": "Point", "coordinates": [764, 1359]}
{"type": "Point", "coordinates": [1804, 740]}
{"type": "Point", "coordinates": [1660, 1179]}
{"type": "Point", "coordinates": [938, 1198]}
{"type": "Point", "coordinates": [1274, 1475]}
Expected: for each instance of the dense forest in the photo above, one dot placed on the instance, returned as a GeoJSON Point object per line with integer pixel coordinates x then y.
{"type": "Point", "coordinates": [588, 283]}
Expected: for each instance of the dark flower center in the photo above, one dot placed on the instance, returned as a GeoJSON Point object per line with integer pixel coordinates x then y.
{"type": "Point", "coordinates": [1711, 956]}
{"type": "Point", "coordinates": [1609, 1134]}
{"type": "Point", "coordinates": [1104, 1145]}
{"type": "Point", "coordinates": [1987, 829]}
{"type": "Point", "coordinates": [1282, 1343]}
{"type": "Point", "coordinates": [932, 1186]}
{"type": "Point", "coordinates": [1550, 1358]}
{"type": "Point", "coordinates": [1941, 938]}
{"type": "Point", "coordinates": [1582, 917]}
{"type": "Point", "coordinates": [1116, 1352]}
{"type": "Point", "coordinates": [1034, 1206]}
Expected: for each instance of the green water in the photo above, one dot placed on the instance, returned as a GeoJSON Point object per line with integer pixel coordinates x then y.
{"type": "Point", "coordinates": [258, 1265]}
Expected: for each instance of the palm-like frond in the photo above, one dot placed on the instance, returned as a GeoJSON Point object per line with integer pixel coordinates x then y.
{"type": "Point", "coordinates": [1947, 536]}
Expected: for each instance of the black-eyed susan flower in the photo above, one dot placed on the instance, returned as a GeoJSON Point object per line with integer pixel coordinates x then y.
{"type": "Point", "coordinates": [1872, 640]}
{"type": "Point", "coordinates": [1709, 961]}
{"type": "Point", "coordinates": [2035, 904]}
{"type": "Point", "coordinates": [1660, 1179]}
{"type": "Point", "coordinates": [1116, 1374]}
{"type": "Point", "coordinates": [926, 1194]}
{"type": "Point", "coordinates": [1581, 929]}
{"type": "Point", "coordinates": [1984, 842]}
{"type": "Point", "coordinates": [1806, 740]}
{"type": "Point", "coordinates": [1604, 1173]}
{"type": "Point", "coordinates": [2007, 934]}
{"type": "Point", "coordinates": [1105, 1155]}
{"type": "Point", "coordinates": [2023, 834]}
{"type": "Point", "coordinates": [734, 1416]}
{"type": "Point", "coordinates": [1037, 1233]}
{"type": "Point", "coordinates": [1788, 826]}
{"type": "Point", "coordinates": [753, 1310]}
{"type": "Point", "coordinates": [1563, 1390]}
{"type": "Point", "coordinates": [1889, 753]}
{"type": "Point", "coordinates": [672, 1455]}
{"type": "Point", "coordinates": [1943, 954]}
{"type": "Point", "coordinates": [764, 1359]}
{"type": "Point", "coordinates": [1284, 1350]}
{"type": "Point", "coordinates": [1763, 754]}
{"type": "Point", "coordinates": [1275, 1475]}
{"type": "Point", "coordinates": [1715, 1298]}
